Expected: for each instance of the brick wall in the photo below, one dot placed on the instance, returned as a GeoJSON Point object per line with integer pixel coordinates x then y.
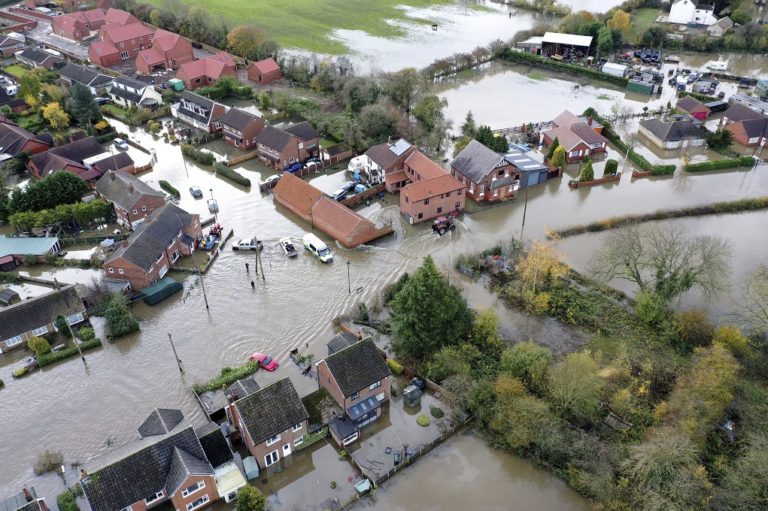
{"type": "Point", "coordinates": [180, 502]}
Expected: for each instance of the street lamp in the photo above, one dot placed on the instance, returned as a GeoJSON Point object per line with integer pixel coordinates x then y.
{"type": "Point", "coordinates": [349, 282]}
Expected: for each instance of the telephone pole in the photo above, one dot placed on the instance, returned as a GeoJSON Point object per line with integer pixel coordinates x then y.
{"type": "Point", "coordinates": [202, 283]}
{"type": "Point", "coordinates": [258, 257]}
{"type": "Point", "coordinates": [525, 210]}
{"type": "Point", "coordinates": [176, 355]}
{"type": "Point", "coordinates": [77, 344]}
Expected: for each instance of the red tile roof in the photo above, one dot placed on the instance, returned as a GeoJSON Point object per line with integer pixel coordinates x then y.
{"type": "Point", "coordinates": [266, 66]}
{"type": "Point", "coordinates": [152, 56]}
{"type": "Point", "coordinates": [102, 48]}
{"type": "Point", "coordinates": [225, 58]}
{"type": "Point", "coordinates": [297, 195]}
{"type": "Point", "coordinates": [423, 166]}
{"type": "Point", "coordinates": [421, 190]}
{"type": "Point", "coordinates": [119, 17]}
{"type": "Point", "coordinates": [165, 40]}
{"type": "Point", "coordinates": [208, 66]}
{"type": "Point", "coordinates": [118, 33]}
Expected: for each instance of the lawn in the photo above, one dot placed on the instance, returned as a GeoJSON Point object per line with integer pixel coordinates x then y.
{"type": "Point", "coordinates": [308, 24]}
{"type": "Point", "coordinates": [16, 70]}
{"type": "Point", "coordinates": [642, 20]}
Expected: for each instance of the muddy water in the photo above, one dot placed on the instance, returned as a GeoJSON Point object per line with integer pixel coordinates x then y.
{"type": "Point", "coordinates": [465, 474]}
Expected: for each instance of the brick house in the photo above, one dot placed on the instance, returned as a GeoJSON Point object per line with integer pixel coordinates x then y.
{"type": "Point", "coordinates": [264, 71]}
{"type": "Point", "coordinates": [205, 72]}
{"type": "Point", "coordinates": [488, 176]}
{"type": "Point", "coordinates": [308, 139]}
{"type": "Point", "coordinates": [16, 140]}
{"type": "Point", "coordinates": [168, 51]}
{"type": "Point", "coordinates": [272, 422]}
{"type": "Point", "coordinates": [119, 17]}
{"type": "Point", "coordinates": [11, 43]}
{"type": "Point", "coordinates": [241, 128]}
{"type": "Point", "coordinates": [580, 136]}
{"type": "Point", "coordinates": [357, 378]}
{"type": "Point", "coordinates": [36, 317]}
{"type": "Point", "coordinates": [120, 42]}
{"type": "Point", "coordinates": [681, 131]}
{"type": "Point", "coordinates": [26, 500]}
{"type": "Point", "coordinates": [156, 245]}
{"type": "Point", "coordinates": [133, 199]}
{"type": "Point", "coordinates": [693, 107]}
{"type": "Point", "coordinates": [33, 57]}
{"type": "Point", "coordinates": [747, 126]}
{"type": "Point", "coordinates": [200, 112]}
{"type": "Point", "coordinates": [166, 463]}
{"type": "Point", "coordinates": [78, 25]}
{"type": "Point", "coordinates": [277, 148]}
{"type": "Point", "coordinates": [431, 191]}
{"type": "Point", "coordinates": [128, 92]}
{"type": "Point", "coordinates": [85, 158]}
{"type": "Point", "coordinates": [71, 74]}
{"type": "Point", "coordinates": [387, 161]}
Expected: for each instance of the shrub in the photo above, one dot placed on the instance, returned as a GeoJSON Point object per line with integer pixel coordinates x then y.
{"type": "Point", "coordinates": [120, 321]}
{"type": "Point", "coordinates": [611, 168]}
{"type": "Point", "coordinates": [70, 351]}
{"type": "Point", "coordinates": [67, 502]}
{"type": "Point", "coordinates": [391, 290]}
{"type": "Point", "coordinates": [436, 412]}
{"type": "Point", "coordinates": [227, 376]}
{"type": "Point", "coordinates": [86, 333]}
{"type": "Point", "coordinates": [695, 328]}
{"type": "Point", "coordinates": [20, 371]}
{"type": "Point", "coordinates": [394, 366]}
{"type": "Point", "coordinates": [39, 345]}
{"type": "Point", "coordinates": [423, 421]}
{"type": "Point", "coordinates": [30, 260]}
{"type": "Point", "coordinates": [743, 161]}
{"type": "Point", "coordinates": [169, 189]}
{"type": "Point", "coordinates": [333, 485]}
{"type": "Point", "coordinates": [732, 339]}
{"type": "Point", "coordinates": [48, 461]}
{"type": "Point", "coordinates": [650, 307]}
{"type": "Point", "coordinates": [222, 170]}
{"type": "Point", "coordinates": [201, 157]}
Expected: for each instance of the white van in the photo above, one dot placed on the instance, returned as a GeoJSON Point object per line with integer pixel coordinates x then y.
{"type": "Point", "coordinates": [318, 247]}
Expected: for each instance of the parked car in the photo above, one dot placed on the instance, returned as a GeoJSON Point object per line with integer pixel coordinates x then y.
{"type": "Point", "coordinates": [340, 194]}
{"type": "Point", "coordinates": [312, 160]}
{"type": "Point", "coordinates": [318, 248]}
{"type": "Point", "coordinates": [272, 180]}
{"type": "Point", "coordinates": [265, 361]}
{"type": "Point", "coordinates": [294, 167]}
{"type": "Point", "coordinates": [121, 144]}
{"type": "Point", "coordinates": [196, 192]}
{"type": "Point", "coordinates": [248, 244]}
{"type": "Point", "coordinates": [101, 101]}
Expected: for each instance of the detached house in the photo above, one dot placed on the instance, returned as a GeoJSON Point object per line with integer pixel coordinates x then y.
{"type": "Point", "coordinates": [11, 43]}
{"type": "Point", "coordinates": [241, 128]}
{"type": "Point", "coordinates": [749, 128]}
{"type": "Point", "coordinates": [134, 200]}
{"type": "Point", "coordinates": [683, 12]}
{"type": "Point", "coordinates": [580, 136]}
{"type": "Point", "coordinates": [308, 139]}
{"type": "Point", "coordinates": [431, 192]}
{"type": "Point", "coordinates": [71, 74]}
{"type": "Point", "coordinates": [682, 131]}
{"type": "Point", "coordinates": [488, 176]}
{"type": "Point", "coordinates": [168, 51]}
{"type": "Point", "coordinates": [272, 422]}
{"type": "Point", "coordinates": [167, 463]}
{"type": "Point", "coordinates": [128, 92]}
{"type": "Point", "coordinates": [277, 148]}
{"type": "Point", "coordinates": [85, 158]}
{"type": "Point", "coordinates": [388, 160]}
{"type": "Point", "coordinates": [120, 42]}
{"type": "Point", "coordinates": [33, 57]}
{"type": "Point", "coordinates": [205, 72]}
{"type": "Point", "coordinates": [156, 245]}
{"type": "Point", "coordinates": [36, 317]}
{"type": "Point", "coordinates": [357, 378]}
{"type": "Point", "coordinates": [202, 113]}
{"type": "Point", "coordinates": [264, 71]}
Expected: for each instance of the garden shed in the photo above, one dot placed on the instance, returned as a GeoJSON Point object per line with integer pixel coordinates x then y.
{"type": "Point", "coordinates": [9, 297]}
{"type": "Point", "coordinates": [161, 290]}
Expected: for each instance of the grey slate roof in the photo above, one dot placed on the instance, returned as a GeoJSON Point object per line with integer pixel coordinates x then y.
{"type": "Point", "coordinates": [755, 127]}
{"type": "Point", "coordinates": [238, 119]}
{"type": "Point", "coordinates": [214, 444]}
{"type": "Point", "coordinates": [83, 75]}
{"type": "Point", "coordinates": [19, 502]}
{"type": "Point", "coordinates": [341, 341]}
{"type": "Point", "coordinates": [130, 82]}
{"type": "Point", "coordinates": [476, 161]}
{"type": "Point", "coordinates": [37, 56]}
{"type": "Point", "coordinates": [160, 422]}
{"type": "Point", "coordinates": [242, 387]}
{"type": "Point", "coordinates": [39, 311]}
{"type": "Point", "coordinates": [203, 102]}
{"type": "Point", "coordinates": [75, 152]}
{"type": "Point", "coordinates": [271, 410]}
{"type": "Point", "coordinates": [675, 130]}
{"type": "Point", "coordinates": [151, 238]}
{"type": "Point", "coordinates": [303, 131]}
{"type": "Point", "coordinates": [123, 189]}
{"type": "Point", "coordinates": [273, 138]}
{"type": "Point", "coordinates": [126, 94]}
{"type": "Point", "coordinates": [688, 104]}
{"type": "Point", "coordinates": [114, 162]}
{"type": "Point", "coordinates": [183, 465]}
{"type": "Point", "coordinates": [357, 367]}
{"type": "Point", "coordinates": [142, 468]}
{"type": "Point", "coordinates": [738, 112]}
{"type": "Point", "coordinates": [13, 138]}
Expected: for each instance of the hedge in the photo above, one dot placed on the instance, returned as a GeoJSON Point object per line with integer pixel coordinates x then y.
{"type": "Point", "coordinates": [50, 358]}
{"type": "Point", "coordinates": [201, 157]}
{"type": "Point", "coordinates": [224, 171]}
{"type": "Point", "coordinates": [742, 161]}
{"type": "Point", "coordinates": [701, 97]}
{"type": "Point", "coordinates": [530, 58]}
{"type": "Point", "coordinates": [106, 137]}
{"type": "Point", "coordinates": [227, 377]}
{"type": "Point", "coordinates": [394, 366]}
{"type": "Point", "coordinates": [168, 187]}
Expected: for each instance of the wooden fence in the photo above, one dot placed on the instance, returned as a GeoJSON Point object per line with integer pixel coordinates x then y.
{"type": "Point", "coordinates": [90, 240]}
{"type": "Point", "coordinates": [355, 200]}
{"type": "Point", "coordinates": [241, 159]}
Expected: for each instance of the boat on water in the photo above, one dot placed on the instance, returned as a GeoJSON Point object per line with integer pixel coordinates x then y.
{"type": "Point", "coordinates": [211, 239]}
{"type": "Point", "coordinates": [288, 247]}
{"type": "Point", "coordinates": [717, 66]}
{"type": "Point", "coordinates": [674, 59]}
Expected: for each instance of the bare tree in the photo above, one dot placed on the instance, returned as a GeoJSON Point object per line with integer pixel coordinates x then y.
{"type": "Point", "coordinates": [753, 301]}
{"type": "Point", "coordinates": [665, 260]}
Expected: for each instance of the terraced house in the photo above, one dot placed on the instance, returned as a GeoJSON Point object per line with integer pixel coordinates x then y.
{"type": "Point", "coordinates": [241, 128]}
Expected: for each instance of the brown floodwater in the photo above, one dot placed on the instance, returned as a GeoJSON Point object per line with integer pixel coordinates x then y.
{"type": "Point", "coordinates": [85, 411]}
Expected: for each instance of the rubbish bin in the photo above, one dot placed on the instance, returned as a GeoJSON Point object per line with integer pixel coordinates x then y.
{"type": "Point", "coordinates": [412, 396]}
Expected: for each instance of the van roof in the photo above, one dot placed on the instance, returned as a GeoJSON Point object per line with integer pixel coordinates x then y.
{"type": "Point", "coordinates": [312, 238]}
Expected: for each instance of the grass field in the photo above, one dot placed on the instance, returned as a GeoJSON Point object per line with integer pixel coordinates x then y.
{"type": "Point", "coordinates": [307, 24]}
{"type": "Point", "coordinates": [16, 70]}
{"type": "Point", "coordinates": [642, 19]}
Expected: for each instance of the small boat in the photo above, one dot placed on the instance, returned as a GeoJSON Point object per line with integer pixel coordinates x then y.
{"type": "Point", "coordinates": [717, 66]}
{"type": "Point", "coordinates": [674, 59]}
{"type": "Point", "coordinates": [288, 247]}
{"type": "Point", "coordinates": [212, 239]}
{"type": "Point", "coordinates": [213, 206]}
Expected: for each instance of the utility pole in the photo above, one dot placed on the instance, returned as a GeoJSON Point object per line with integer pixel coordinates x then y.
{"type": "Point", "coordinates": [215, 208]}
{"type": "Point", "coordinates": [525, 210]}
{"type": "Point", "coordinates": [258, 258]}
{"type": "Point", "coordinates": [186, 171]}
{"type": "Point", "coordinates": [202, 283]}
{"type": "Point", "coordinates": [178, 360]}
{"type": "Point", "coordinates": [349, 282]}
{"type": "Point", "coordinates": [77, 344]}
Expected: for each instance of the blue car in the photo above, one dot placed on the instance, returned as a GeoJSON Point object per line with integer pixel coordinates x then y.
{"type": "Point", "coordinates": [294, 167]}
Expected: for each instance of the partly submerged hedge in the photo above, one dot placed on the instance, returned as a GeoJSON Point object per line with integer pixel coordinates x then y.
{"type": "Point", "coordinates": [226, 377]}
{"type": "Point", "coordinates": [201, 157]}
{"type": "Point", "coordinates": [50, 358]}
{"type": "Point", "coordinates": [224, 171]}
{"type": "Point", "coordinates": [169, 188]}
{"type": "Point", "coordinates": [530, 58]}
{"type": "Point", "coordinates": [742, 161]}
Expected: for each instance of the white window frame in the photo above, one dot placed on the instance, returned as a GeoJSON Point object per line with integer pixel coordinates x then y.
{"type": "Point", "coordinates": [13, 341]}
{"type": "Point", "coordinates": [126, 508]}
{"type": "Point", "coordinates": [298, 441]}
{"type": "Point", "coordinates": [378, 383]}
{"type": "Point", "coordinates": [186, 492]}
{"type": "Point", "coordinates": [121, 271]}
{"type": "Point", "coordinates": [273, 440]}
{"type": "Point", "coordinates": [297, 427]}
{"type": "Point", "coordinates": [198, 502]}
{"type": "Point", "coordinates": [111, 270]}
{"type": "Point", "coordinates": [43, 330]}
{"type": "Point", "coordinates": [154, 498]}
{"type": "Point", "coordinates": [274, 456]}
{"type": "Point", "coordinates": [287, 450]}
{"type": "Point", "coordinates": [75, 318]}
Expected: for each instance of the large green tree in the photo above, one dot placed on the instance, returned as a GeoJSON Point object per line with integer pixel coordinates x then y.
{"type": "Point", "coordinates": [403, 86]}
{"type": "Point", "coordinates": [58, 188]}
{"type": "Point", "coordinates": [529, 362]}
{"type": "Point", "coordinates": [429, 111]}
{"type": "Point", "coordinates": [428, 313]}
{"type": "Point", "coordinates": [249, 498]}
{"type": "Point", "coordinates": [575, 387]}
{"type": "Point", "coordinates": [81, 105]}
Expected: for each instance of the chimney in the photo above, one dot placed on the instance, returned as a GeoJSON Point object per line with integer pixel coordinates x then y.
{"type": "Point", "coordinates": [112, 175]}
{"type": "Point", "coordinates": [27, 495]}
{"type": "Point", "coordinates": [589, 120]}
{"type": "Point", "coordinates": [130, 187]}
{"type": "Point", "coordinates": [83, 473]}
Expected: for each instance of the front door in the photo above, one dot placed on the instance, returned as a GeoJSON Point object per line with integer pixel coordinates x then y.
{"type": "Point", "coordinates": [286, 450]}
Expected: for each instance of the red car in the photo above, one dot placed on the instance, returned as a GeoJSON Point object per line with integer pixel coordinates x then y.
{"type": "Point", "coordinates": [265, 361]}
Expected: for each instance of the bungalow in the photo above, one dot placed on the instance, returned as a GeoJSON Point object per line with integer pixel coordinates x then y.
{"type": "Point", "coordinates": [684, 12]}
{"type": "Point", "coordinates": [33, 57]}
{"type": "Point", "coordinates": [155, 246]}
{"type": "Point", "coordinates": [580, 136]}
{"type": "Point", "coordinates": [241, 128]}
{"type": "Point", "coordinates": [78, 25]}
{"type": "Point", "coordinates": [488, 175]}
{"type": "Point", "coordinates": [682, 131]}
{"type": "Point", "coordinates": [205, 72]}
{"type": "Point", "coordinates": [168, 51]}
{"type": "Point", "coordinates": [71, 74]}
{"type": "Point", "coordinates": [431, 192]}
{"type": "Point", "coordinates": [17, 248]}
{"type": "Point", "coordinates": [272, 422]}
{"type": "Point", "coordinates": [36, 316]}
{"type": "Point", "coordinates": [11, 43]}
{"type": "Point", "coordinates": [166, 463]}
{"type": "Point", "coordinates": [120, 42]}
{"type": "Point", "coordinates": [27, 500]}
{"type": "Point", "coordinates": [128, 92]}
{"type": "Point", "coordinates": [721, 27]}
{"type": "Point", "coordinates": [693, 107]}
{"type": "Point", "coordinates": [329, 216]}
{"type": "Point", "coordinates": [358, 380]}
{"type": "Point", "coordinates": [264, 71]}
{"type": "Point", "coordinates": [308, 139]}
{"type": "Point", "coordinates": [277, 148]}
{"type": "Point", "coordinates": [133, 199]}
{"type": "Point", "coordinates": [80, 157]}
{"type": "Point", "coordinates": [388, 159]}
{"type": "Point", "coordinates": [750, 132]}
{"type": "Point", "coordinates": [200, 112]}
{"type": "Point", "coordinates": [15, 140]}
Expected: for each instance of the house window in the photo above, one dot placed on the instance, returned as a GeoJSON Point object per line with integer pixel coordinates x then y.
{"type": "Point", "coordinates": [192, 489]}
{"type": "Point", "coordinates": [217, 124]}
{"type": "Point", "coordinates": [458, 205]}
{"type": "Point", "coordinates": [75, 318]}
{"type": "Point", "coordinates": [458, 192]}
{"type": "Point", "coordinates": [271, 458]}
{"type": "Point", "coordinates": [197, 503]}
{"type": "Point", "coordinates": [111, 270]}
{"type": "Point", "coordinates": [481, 189]}
{"type": "Point", "coordinates": [40, 331]}
{"type": "Point", "coordinates": [122, 45]}
{"type": "Point", "coordinates": [301, 145]}
{"type": "Point", "coordinates": [135, 50]}
{"type": "Point", "coordinates": [153, 498]}
{"type": "Point", "coordinates": [406, 197]}
{"type": "Point", "coordinates": [159, 258]}
{"type": "Point", "coordinates": [124, 54]}
{"type": "Point", "coordinates": [501, 173]}
{"type": "Point", "coordinates": [197, 80]}
{"type": "Point", "coordinates": [274, 439]}
{"type": "Point", "coordinates": [121, 271]}
{"type": "Point", "coordinates": [13, 341]}
{"type": "Point", "coordinates": [448, 194]}
{"type": "Point", "coordinates": [297, 427]}
{"type": "Point", "coordinates": [426, 202]}
{"type": "Point", "coordinates": [439, 210]}
{"type": "Point", "coordinates": [143, 208]}
{"type": "Point", "coordinates": [354, 396]}
{"type": "Point", "coordinates": [375, 385]}
{"type": "Point", "coordinates": [420, 216]}
{"type": "Point", "coordinates": [135, 211]}
{"type": "Point", "coordinates": [298, 441]}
